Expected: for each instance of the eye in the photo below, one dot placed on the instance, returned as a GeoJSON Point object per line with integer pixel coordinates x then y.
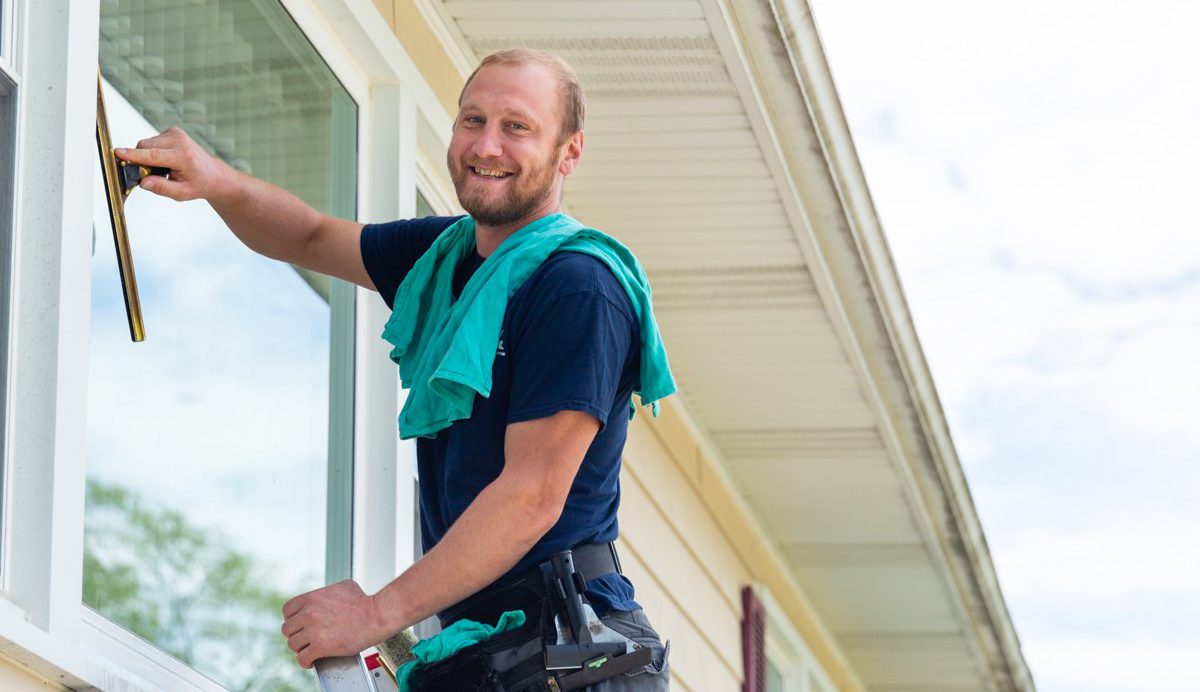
{"type": "Point", "coordinates": [517, 126]}
{"type": "Point", "coordinates": [472, 120]}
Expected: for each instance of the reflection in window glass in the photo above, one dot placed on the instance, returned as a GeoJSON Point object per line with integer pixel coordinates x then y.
{"type": "Point", "coordinates": [423, 206]}
{"type": "Point", "coordinates": [774, 678]}
{"type": "Point", "coordinates": [8, 127]}
{"type": "Point", "coordinates": [209, 443]}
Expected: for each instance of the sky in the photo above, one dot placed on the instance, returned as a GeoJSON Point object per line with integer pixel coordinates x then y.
{"type": "Point", "coordinates": [1034, 168]}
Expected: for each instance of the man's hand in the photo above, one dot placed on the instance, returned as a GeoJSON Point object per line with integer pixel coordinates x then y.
{"type": "Point", "coordinates": [195, 174]}
{"type": "Point", "coordinates": [335, 620]}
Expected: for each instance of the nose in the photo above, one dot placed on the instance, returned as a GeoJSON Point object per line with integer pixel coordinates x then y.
{"type": "Point", "coordinates": [487, 144]}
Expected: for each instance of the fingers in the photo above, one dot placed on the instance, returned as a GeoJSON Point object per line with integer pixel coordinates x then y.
{"type": "Point", "coordinates": [170, 138]}
{"type": "Point", "coordinates": [167, 188]}
{"type": "Point", "coordinates": [173, 150]}
{"type": "Point", "coordinates": [305, 652]}
{"type": "Point", "coordinates": [153, 156]}
{"type": "Point", "coordinates": [293, 606]}
{"type": "Point", "coordinates": [291, 626]}
{"type": "Point", "coordinates": [306, 656]}
{"type": "Point", "coordinates": [299, 641]}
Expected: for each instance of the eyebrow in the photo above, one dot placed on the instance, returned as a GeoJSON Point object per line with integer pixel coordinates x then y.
{"type": "Point", "coordinates": [508, 112]}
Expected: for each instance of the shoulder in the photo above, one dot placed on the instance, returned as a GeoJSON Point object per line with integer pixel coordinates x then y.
{"type": "Point", "coordinates": [567, 273]}
{"type": "Point", "coordinates": [390, 249]}
{"type": "Point", "coordinates": [425, 228]}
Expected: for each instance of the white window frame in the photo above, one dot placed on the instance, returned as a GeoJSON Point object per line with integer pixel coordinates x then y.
{"type": "Point", "coordinates": [10, 69]}
{"type": "Point", "coordinates": [787, 651]}
{"type": "Point", "coordinates": [43, 622]}
{"type": "Point", "coordinates": [9, 17]}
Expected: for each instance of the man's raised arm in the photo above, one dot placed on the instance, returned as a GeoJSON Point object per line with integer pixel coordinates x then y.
{"type": "Point", "coordinates": [268, 219]}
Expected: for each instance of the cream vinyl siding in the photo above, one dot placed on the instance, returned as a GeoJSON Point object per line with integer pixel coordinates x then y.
{"type": "Point", "coordinates": [690, 547]}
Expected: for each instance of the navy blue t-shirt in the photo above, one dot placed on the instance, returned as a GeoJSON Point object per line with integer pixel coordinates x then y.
{"type": "Point", "coordinates": [569, 341]}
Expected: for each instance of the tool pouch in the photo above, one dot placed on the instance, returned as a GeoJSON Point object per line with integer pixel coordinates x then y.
{"type": "Point", "coordinates": [513, 661]}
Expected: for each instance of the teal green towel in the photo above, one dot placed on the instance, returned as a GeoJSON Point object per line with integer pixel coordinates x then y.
{"type": "Point", "coordinates": [445, 347]}
{"type": "Point", "coordinates": [453, 639]}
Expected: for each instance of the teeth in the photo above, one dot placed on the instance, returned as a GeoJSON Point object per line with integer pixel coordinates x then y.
{"type": "Point", "coordinates": [490, 173]}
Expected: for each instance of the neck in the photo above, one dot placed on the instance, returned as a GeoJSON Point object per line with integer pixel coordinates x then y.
{"type": "Point", "coordinates": [488, 237]}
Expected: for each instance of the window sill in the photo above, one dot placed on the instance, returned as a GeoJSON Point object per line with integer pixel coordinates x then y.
{"type": "Point", "coordinates": [128, 663]}
{"type": "Point", "coordinates": [107, 658]}
{"type": "Point", "coordinates": [33, 648]}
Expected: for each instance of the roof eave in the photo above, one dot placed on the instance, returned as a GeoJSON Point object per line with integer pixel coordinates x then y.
{"type": "Point", "coordinates": [850, 256]}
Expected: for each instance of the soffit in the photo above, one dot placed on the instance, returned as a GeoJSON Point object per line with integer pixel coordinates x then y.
{"type": "Point", "coordinates": [674, 167]}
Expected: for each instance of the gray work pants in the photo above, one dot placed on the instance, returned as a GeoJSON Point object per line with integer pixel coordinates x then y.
{"type": "Point", "coordinates": [655, 677]}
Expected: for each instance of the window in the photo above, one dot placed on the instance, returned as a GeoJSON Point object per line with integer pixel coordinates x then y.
{"type": "Point", "coordinates": [774, 677]}
{"type": "Point", "coordinates": [8, 139]}
{"type": "Point", "coordinates": [776, 657]}
{"type": "Point", "coordinates": [218, 450]}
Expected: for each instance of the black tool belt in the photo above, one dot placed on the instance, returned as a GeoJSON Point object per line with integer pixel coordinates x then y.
{"type": "Point", "coordinates": [527, 591]}
{"type": "Point", "coordinates": [516, 661]}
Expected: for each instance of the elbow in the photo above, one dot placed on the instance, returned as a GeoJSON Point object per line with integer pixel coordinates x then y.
{"type": "Point", "coordinates": [539, 510]}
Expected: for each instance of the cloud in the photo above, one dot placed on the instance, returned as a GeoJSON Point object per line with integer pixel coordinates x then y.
{"type": "Point", "coordinates": [1031, 164]}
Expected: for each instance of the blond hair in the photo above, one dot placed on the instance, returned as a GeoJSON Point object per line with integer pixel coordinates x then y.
{"type": "Point", "coordinates": [569, 86]}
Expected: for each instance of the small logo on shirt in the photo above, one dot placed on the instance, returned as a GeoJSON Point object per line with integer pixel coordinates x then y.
{"type": "Point", "coordinates": [500, 348]}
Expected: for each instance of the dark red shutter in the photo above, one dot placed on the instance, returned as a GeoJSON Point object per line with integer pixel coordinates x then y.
{"type": "Point", "coordinates": [754, 642]}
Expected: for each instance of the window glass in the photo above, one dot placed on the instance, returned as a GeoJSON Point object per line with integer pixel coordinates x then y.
{"type": "Point", "coordinates": [774, 678]}
{"type": "Point", "coordinates": [209, 444]}
{"type": "Point", "coordinates": [423, 207]}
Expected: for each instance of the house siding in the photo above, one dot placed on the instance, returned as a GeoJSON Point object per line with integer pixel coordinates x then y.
{"type": "Point", "coordinates": [689, 546]}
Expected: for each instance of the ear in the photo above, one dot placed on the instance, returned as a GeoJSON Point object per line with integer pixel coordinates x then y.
{"type": "Point", "coordinates": [572, 154]}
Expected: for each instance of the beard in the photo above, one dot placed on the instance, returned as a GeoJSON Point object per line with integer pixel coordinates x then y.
{"type": "Point", "coordinates": [525, 192]}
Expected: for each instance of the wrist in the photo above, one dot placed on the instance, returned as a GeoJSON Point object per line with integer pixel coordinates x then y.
{"type": "Point", "coordinates": [223, 187]}
{"type": "Point", "coordinates": [382, 624]}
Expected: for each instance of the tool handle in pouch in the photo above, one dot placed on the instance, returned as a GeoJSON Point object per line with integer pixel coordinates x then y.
{"type": "Point", "coordinates": [568, 589]}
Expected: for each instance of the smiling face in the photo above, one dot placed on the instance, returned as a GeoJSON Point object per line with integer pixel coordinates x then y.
{"type": "Point", "coordinates": [504, 156]}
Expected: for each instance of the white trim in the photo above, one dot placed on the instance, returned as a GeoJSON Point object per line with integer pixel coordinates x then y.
{"type": "Point", "coordinates": [121, 661]}
{"type": "Point", "coordinates": [7, 292]}
{"type": "Point", "coordinates": [440, 197]}
{"type": "Point", "coordinates": [6, 23]}
{"type": "Point", "coordinates": [33, 648]}
{"type": "Point", "coordinates": [18, 39]}
{"type": "Point", "coordinates": [381, 527]}
{"type": "Point", "coordinates": [10, 70]}
{"type": "Point", "coordinates": [368, 39]}
{"type": "Point", "coordinates": [341, 61]}
{"type": "Point", "coordinates": [51, 312]}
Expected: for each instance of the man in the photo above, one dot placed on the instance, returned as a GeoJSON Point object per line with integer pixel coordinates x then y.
{"type": "Point", "coordinates": [532, 470]}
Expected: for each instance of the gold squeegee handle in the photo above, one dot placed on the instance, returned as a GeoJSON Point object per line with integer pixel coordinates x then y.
{"type": "Point", "coordinates": [116, 214]}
